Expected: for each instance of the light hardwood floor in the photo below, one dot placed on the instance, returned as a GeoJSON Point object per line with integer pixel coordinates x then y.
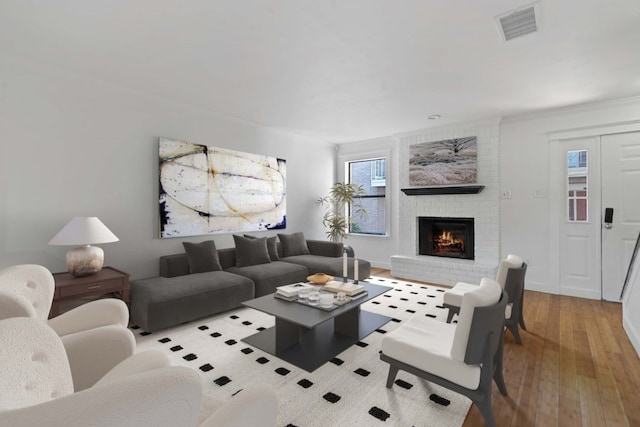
{"type": "Point", "coordinates": [576, 367]}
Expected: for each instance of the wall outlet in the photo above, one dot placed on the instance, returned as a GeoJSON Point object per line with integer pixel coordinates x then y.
{"type": "Point", "coordinates": [540, 193]}
{"type": "Point", "coordinates": [506, 194]}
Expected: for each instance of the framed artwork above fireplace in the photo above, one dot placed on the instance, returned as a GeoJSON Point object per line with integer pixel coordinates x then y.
{"type": "Point", "coordinates": [447, 162]}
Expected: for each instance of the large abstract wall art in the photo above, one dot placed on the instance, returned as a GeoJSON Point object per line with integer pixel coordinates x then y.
{"type": "Point", "coordinates": [448, 162]}
{"type": "Point", "coordinates": [207, 190]}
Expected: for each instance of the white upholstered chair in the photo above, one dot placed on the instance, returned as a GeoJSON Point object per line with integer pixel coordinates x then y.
{"type": "Point", "coordinates": [95, 334]}
{"type": "Point", "coordinates": [510, 275]}
{"type": "Point", "coordinates": [36, 389]}
{"type": "Point", "coordinates": [463, 357]}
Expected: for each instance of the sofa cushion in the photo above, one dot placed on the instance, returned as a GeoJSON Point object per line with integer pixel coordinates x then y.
{"type": "Point", "coordinates": [426, 344]}
{"type": "Point", "coordinates": [272, 246]}
{"type": "Point", "coordinates": [251, 251]}
{"type": "Point", "coordinates": [266, 277]}
{"type": "Point", "coordinates": [454, 295]}
{"type": "Point", "coordinates": [161, 302]}
{"type": "Point", "coordinates": [294, 244]}
{"type": "Point", "coordinates": [202, 257]}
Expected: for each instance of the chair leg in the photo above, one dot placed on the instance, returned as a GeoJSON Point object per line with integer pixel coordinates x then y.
{"type": "Point", "coordinates": [485, 409]}
{"type": "Point", "coordinates": [521, 316]}
{"type": "Point", "coordinates": [393, 371]}
{"type": "Point", "coordinates": [513, 327]}
{"type": "Point", "coordinates": [522, 325]}
{"type": "Point", "coordinates": [498, 377]}
{"type": "Point", "coordinates": [450, 315]}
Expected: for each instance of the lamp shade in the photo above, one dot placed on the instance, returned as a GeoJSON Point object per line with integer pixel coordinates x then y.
{"type": "Point", "coordinates": [85, 259]}
{"type": "Point", "coordinates": [83, 231]}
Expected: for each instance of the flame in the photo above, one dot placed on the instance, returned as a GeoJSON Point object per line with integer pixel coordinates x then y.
{"type": "Point", "coordinates": [447, 240]}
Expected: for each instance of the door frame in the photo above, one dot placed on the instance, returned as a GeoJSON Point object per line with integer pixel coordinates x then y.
{"type": "Point", "coordinates": [556, 208]}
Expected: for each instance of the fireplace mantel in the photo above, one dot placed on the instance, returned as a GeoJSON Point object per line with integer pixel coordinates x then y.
{"type": "Point", "coordinates": [443, 189]}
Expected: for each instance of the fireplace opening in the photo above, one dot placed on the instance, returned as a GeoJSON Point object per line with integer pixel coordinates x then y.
{"type": "Point", "coordinates": [446, 237]}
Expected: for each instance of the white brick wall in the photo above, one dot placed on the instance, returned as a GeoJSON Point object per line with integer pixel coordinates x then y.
{"type": "Point", "coordinates": [484, 207]}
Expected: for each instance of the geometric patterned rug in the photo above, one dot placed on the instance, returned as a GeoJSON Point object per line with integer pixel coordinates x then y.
{"type": "Point", "coordinates": [349, 390]}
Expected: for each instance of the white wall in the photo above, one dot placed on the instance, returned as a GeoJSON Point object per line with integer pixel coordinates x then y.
{"type": "Point", "coordinates": [73, 146]}
{"type": "Point", "coordinates": [525, 220]}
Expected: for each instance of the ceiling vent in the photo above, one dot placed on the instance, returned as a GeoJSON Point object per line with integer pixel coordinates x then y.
{"type": "Point", "coordinates": [522, 21]}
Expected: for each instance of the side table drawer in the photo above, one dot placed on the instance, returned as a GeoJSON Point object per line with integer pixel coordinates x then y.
{"type": "Point", "coordinates": [103, 286]}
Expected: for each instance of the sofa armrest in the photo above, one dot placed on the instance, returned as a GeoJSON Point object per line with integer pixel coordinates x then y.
{"type": "Point", "coordinates": [325, 248]}
{"type": "Point", "coordinates": [174, 265]}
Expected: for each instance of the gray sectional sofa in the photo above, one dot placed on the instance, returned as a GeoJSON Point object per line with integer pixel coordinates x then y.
{"type": "Point", "coordinates": [204, 280]}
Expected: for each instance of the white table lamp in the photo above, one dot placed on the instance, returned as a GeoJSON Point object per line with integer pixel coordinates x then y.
{"type": "Point", "coordinates": [85, 259]}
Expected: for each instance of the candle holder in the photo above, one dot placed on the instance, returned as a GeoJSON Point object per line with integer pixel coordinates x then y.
{"type": "Point", "coordinates": [355, 281]}
{"type": "Point", "coordinates": [345, 279]}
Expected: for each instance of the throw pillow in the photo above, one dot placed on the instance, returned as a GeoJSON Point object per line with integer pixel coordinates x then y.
{"type": "Point", "coordinates": [251, 251]}
{"type": "Point", "coordinates": [294, 244]}
{"type": "Point", "coordinates": [272, 246]}
{"type": "Point", "coordinates": [202, 256]}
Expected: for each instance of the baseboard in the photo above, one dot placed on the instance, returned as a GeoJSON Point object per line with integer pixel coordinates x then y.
{"type": "Point", "coordinates": [385, 265]}
{"type": "Point", "coordinates": [632, 333]}
{"type": "Point", "coordinates": [581, 293]}
{"type": "Point", "coordinates": [539, 287]}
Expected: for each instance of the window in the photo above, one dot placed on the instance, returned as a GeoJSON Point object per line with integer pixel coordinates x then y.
{"type": "Point", "coordinates": [577, 186]}
{"type": "Point", "coordinates": [371, 175]}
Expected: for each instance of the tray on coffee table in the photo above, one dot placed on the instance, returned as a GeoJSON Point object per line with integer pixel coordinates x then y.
{"type": "Point", "coordinates": [332, 307]}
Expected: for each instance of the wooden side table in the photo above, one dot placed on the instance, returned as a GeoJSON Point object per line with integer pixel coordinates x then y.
{"type": "Point", "coordinates": [106, 281]}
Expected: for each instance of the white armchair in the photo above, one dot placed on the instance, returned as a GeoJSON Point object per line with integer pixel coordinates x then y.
{"type": "Point", "coordinates": [144, 390]}
{"type": "Point", "coordinates": [510, 276]}
{"type": "Point", "coordinates": [95, 334]}
{"type": "Point", "coordinates": [465, 357]}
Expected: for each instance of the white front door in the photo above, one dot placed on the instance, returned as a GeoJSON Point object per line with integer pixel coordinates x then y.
{"type": "Point", "coordinates": [621, 192]}
{"type": "Point", "coordinates": [579, 257]}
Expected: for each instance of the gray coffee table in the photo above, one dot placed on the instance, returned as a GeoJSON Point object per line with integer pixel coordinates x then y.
{"type": "Point", "coordinates": [308, 337]}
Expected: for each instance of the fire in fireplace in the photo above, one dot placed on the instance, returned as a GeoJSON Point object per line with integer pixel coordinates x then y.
{"type": "Point", "coordinates": [446, 237]}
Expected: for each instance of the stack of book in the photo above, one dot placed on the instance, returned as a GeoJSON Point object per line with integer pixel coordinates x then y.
{"type": "Point", "coordinates": [290, 292]}
{"type": "Point", "coordinates": [350, 289]}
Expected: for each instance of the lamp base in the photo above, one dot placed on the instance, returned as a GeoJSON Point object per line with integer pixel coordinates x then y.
{"type": "Point", "coordinates": [84, 260]}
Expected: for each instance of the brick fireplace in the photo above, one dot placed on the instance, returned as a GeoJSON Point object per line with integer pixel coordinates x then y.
{"type": "Point", "coordinates": [483, 207]}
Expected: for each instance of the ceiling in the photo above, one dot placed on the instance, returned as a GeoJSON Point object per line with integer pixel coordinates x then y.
{"type": "Point", "coordinates": [339, 70]}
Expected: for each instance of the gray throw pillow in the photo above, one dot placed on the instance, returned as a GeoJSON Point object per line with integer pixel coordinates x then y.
{"type": "Point", "coordinates": [272, 246]}
{"type": "Point", "coordinates": [251, 251]}
{"type": "Point", "coordinates": [294, 244]}
{"type": "Point", "coordinates": [202, 256]}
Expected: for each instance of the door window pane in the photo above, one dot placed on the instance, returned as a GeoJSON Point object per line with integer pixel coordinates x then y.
{"type": "Point", "coordinates": [577, 186]}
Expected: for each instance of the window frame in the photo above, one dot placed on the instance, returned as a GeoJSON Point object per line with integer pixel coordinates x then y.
{"type": "Point", "coordinates": [343, 175]}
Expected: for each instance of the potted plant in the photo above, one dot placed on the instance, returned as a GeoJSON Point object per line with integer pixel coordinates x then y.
{"type": "Point", "coordinates": [337, 216]}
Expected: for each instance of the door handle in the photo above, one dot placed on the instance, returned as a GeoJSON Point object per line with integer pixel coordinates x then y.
{"type": "Point", "coordinates": [608, 218]}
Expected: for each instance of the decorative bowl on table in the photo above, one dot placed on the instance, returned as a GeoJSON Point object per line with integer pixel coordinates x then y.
{"type": "Point", "coordinates": [320, 279]}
